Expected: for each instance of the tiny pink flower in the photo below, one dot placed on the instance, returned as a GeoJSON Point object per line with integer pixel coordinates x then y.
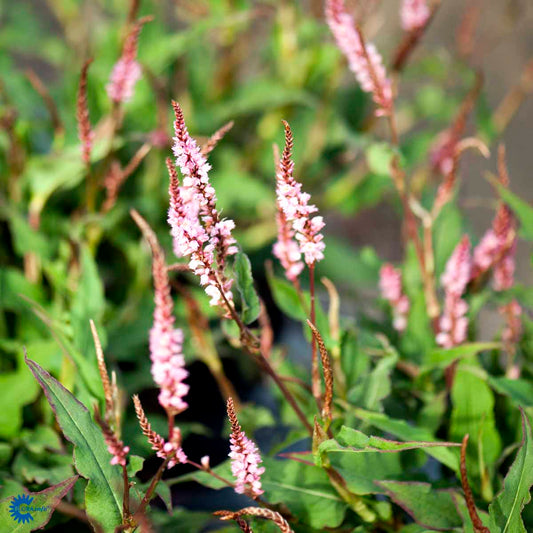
{"type": "Point", "coordinates": [414, 14]}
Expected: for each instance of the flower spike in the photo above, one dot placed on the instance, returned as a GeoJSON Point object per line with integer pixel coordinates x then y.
{"type": "Point", "coordinates": [293, 204]}
{"type": "Point", "coordinates": [390, 283]}
{"type": "Point", "coordinates": [363, 59]}
{"type": "Point", "coordinates": [168, 363]}
{"type": "Point", "coordinates": [245, 458]}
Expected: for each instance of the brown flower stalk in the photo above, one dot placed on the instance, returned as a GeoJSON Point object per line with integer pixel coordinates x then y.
{"type": "Point", "coordinates": [116, 176]}
{"type": "Point", "coordinates": [108, 392]}
{"type": "Point", "coordinates": [156, 441]}
{"type": "Point", "coordinates": [328, 372]}
{"type": "Point", "coordinates": [114, 445]}
{"type": "Point", "coordinates": [411, 40]}
{"type": "Point", "coordinates": [211, 143]}
{"type": "Point", "coordinates": [82, 115]}
{"type": "Point", "coordinates": [472, 511]}
{"type": "Point", "coordinates": [267, 514]}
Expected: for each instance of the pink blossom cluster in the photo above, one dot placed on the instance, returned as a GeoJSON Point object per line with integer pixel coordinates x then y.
{"type": "Point", "coordinates": [296, 210]}
{"type": "Point", "coordinates": [414, 14]}
{"type": "Point", "coordinates": [443, 152]}
{"type": "Point", "coordinates": [168, 363]}
{"type": "Point", "coordinates": [453, 324]}
{"type": "Point", "coordinates": [173, 448]}
{"type": "Point", "coordinates": [127, 71]}
{"type": "Point", "coordinates": [390, 283]}
{"type": "Point", "coordinates": [363, 59]}
{"type": "Point", "coordinates": [117, 449]}
{"type": "Point", "coordinates": [198, 231]}
{"type": "Point", "coordinates": [125, 74]}
{"type": "Point", "coordinates": [286, 248]}
{"type": "Point", "coordinates": [245, 458]}
{"type": "Point", "coordinates": [497, 250]}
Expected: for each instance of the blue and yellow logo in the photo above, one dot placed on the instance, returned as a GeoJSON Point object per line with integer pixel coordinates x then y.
{"type": "Point", "coordinates": [21, 509]}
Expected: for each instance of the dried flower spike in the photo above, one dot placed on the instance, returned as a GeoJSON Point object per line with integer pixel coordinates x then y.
{"type": "Point", "coordinates": [296, 210]}
{"type": "Point", "coordinates": [390, 283]}
{"type": "Point", "coordinates": [453, 323]}
{"type": "Point", "coordinates": [414, 14]}
{"type": "Point", "coordinates": [168, 364]}
{"type": "Point", "coordinates": [268, 514]}
{"type": "Point", "coordinates": [163, 449]}
{"type": "Point", "coordinates": [245, 458]}
{"type": "Point", "coordinates": [82, 115]}
{"type": "Point", "coordinates": [363, 59]}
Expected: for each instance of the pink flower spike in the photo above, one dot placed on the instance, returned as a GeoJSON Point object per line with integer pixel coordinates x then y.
{"type": "Point", "coordinates": [168, 363]}
{"type": "Point", "coordinates": [414, 14]}
{"type": "Point", "coordinates": [196, 227]}
{"type": "Point", "coordinates": [296, 210]}
{"type": "Point", "coordinates": [453, 324]}
{"type": "Point", "coordinates": [390, 283]}
{"type": "Point", "coordinates": [457, 272]}
{"type": "Point", "coordinates": [513, 327]}
{"type": "Point", "coordinates": [286, 248]}
{"type": "Point", "coordinates": [245, 458]}
{"type": "Point", "coordinates": [363, 59]}
{"type": "Point", "coordinates": [127, 70]}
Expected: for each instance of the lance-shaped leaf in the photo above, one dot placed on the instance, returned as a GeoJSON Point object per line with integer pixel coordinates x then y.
{"type": "Point", "coordinates": [353, 441]}
{"type": "Point", "coordinates": [520, 391]}
{"type": "Point", "coordinates": [433, 509]}
{"type": "Point", "coordinates": [507, 507]}
{"type": "Point", "coordinates": [103, 494]}
{"type": "Point", "coordinates": [27, 511]}
{"type": "Point", "coordinates": [404, 431]}
{"type": "Point", "coordinates": [245, 286]}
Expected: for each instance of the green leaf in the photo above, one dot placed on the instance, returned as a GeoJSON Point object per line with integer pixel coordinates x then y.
{"type": "Point", "coordinates": [350, 440]}
{"type": "Point", "coordinates": [442, 357]}
{"type": "Point", "coordinates": [376, 385]}
{"type": "Point", "coordinates": [473, 413]}
{"type": "Point", "coordinates": [379, 157]}
{"type": "Point", "coordinates": [245, 285]}
{"type": "Point", "coordinates": [434, 509]}
{"type": "Point", "coordinates": [88, 302]}
{"type": "Point", "coordinates": [17, 389]}
{"type": "Point", "coordinates": [519, 390]}
{"type": "Point", "coordinates": [507, 507]}
{"type": "Point", "coordinates": [287, 299]}
{"type": "Point", "coordinates": [103, 495]}
{"type": "Point", "coordinates": [43, 504]}
{"type": "Point", "coordinates": [402, 430]}
{"type": "Point", "coordinates": [305, 490]}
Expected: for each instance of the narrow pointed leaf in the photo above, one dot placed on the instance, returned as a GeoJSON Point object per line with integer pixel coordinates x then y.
{"type": "Point", "coordinates": [507, 507]}
{"type": "Point", "coordinates": [103, 495]}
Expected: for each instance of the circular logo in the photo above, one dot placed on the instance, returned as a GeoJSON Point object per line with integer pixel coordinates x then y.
{"type": "Point", "coordinates": [19, 508]}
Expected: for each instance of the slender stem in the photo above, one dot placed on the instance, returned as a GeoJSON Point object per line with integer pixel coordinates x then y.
{"type": "Point", "coordinates": [211, 473]}
{"type": "Point", "coordinates": [253, 346]}
{"type": "Point", "coordinates": [126, 500]}
{"type": "Point", "coordinates": [315, 372]}
{"type": "Point", "coordinates": [155, 480]}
